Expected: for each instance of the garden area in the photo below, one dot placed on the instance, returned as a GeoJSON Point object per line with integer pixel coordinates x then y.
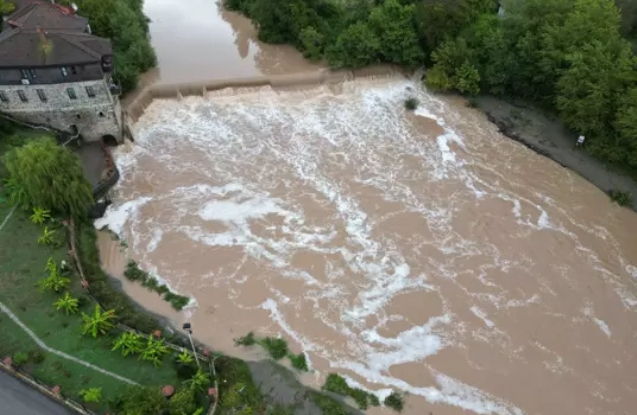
{"type": "Point", "coordinates": [83, 351]}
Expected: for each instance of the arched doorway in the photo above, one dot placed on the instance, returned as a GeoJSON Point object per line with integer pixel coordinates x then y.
{"type": "Point", "coordinates": [109, 140]}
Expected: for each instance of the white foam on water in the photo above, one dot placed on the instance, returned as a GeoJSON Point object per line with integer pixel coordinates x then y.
{"type": "Point", "coordinates": [116, 216]}
{"type": "Point", "coordinates": [482, 315]}
{"type": "Point", "coordinates": [590, 313]}
{"type": "Point", "coordinates": [262, 151]}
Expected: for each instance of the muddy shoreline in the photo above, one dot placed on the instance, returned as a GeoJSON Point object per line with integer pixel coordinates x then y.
{"type": "Point", "coordinates": [549, 137]}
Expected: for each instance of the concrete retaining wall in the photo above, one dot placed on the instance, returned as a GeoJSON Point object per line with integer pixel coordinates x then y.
{"type": "Point", "coordinates": [143, 99]}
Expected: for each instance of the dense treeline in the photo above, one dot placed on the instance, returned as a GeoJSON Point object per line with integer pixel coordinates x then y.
{"type": "Point", "coordinates": [124, 22]}
{"type": "Point", "coordinates": [571, 56]}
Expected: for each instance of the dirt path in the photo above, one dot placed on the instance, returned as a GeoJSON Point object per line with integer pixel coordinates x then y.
{"type": "Point", "coordinates": [550, 137]}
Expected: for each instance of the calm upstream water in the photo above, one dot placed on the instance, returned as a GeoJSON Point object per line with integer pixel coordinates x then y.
{"type": "Point", "coordinates": [422, 252]}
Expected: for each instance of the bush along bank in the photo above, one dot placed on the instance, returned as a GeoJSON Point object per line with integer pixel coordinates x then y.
{"type": "Point", "coordinates": [134, 273]}
{"type": "Point", "coordinates": [277, 348]}
{"type": "Point", "coordinates": [567, 56]}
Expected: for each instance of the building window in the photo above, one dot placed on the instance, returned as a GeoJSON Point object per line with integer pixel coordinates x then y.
{"type": "Point", "coordinates": [64, 71]}
{"type": "Point", "coordinates": [71, 93]}
{"type": "Point", "coordinates": [24, 73]}
{"type": "Point", "coordinates": [32, 73]}
{"type": "Point", "coordinates": [42, 95]}
{"type": "Point", "coordinates": [23, 96]}
{"type": "Point", "coordinates": [74, 70]}
{"type": "Point", "coordinates": [4, 97]}
{"type": "Point", "coordinates": [90, 91]}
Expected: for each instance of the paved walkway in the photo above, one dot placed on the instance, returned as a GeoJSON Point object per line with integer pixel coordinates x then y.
{"type": "Point", "coordinates": [17, 398]}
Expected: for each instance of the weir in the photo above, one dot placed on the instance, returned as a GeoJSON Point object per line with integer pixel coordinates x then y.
{"type": "Point", "coordinates": [135, 108]}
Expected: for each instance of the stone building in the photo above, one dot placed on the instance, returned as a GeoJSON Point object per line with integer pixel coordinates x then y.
{"type": "Point", "coordinates": [55, 73]}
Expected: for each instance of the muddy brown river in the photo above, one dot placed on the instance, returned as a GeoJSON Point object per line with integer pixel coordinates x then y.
{"type": "Point", "coordinates": [415, 251]}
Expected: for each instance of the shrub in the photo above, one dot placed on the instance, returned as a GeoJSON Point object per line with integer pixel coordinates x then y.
{"type": "Point", "coordinates": [177, 301]}
{"type": "Point", "coordinates": [91, 394]}
{"type": "Point", "coordinates": [394, 401]}
{"type": "Point", "coordinates": [277, 348]}
{"type": "Point", "coordinates": [328, 405]}
{"type": "Point", "coordinates": [183, 402]}
{"type": "Point", "coordinates": [247, 340]}
{"type": "Point", "coordinates": [337, 384]}
{"type": "Point", "coordinates": [54, 282]}
{"type": "Point", "coordinates": [20, 358]}
{"type": "Point", "coordinates": [620, 197]}
{"type": "Point", "coordinates": [140, 400]}
{"type": "Point", "coordinates": [411, 103]}
{"type": "Point", "coordinates": [298, 361]}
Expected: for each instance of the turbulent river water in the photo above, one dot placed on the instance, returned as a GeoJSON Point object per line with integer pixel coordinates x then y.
{"type": "Point", "coordinates": [415, 251]}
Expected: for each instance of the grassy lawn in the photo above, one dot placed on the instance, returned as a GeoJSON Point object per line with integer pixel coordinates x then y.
{"type": "Point", "coordinates": [22, 265]}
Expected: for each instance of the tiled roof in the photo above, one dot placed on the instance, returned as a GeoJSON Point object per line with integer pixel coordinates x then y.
{"type": "Point", "coordinates": [21, 44]}
{"type": "Point", "coordinates": [23, 48]}
{"type": "Point", "coordinates": [34, 13]}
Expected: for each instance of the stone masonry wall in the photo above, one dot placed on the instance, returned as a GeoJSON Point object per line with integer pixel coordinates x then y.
{"type": "Point", "coordinates": [94, 117]}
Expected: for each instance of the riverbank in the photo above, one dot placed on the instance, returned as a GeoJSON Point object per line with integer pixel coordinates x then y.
{"type": "Point", "coordinates": [549, 137]}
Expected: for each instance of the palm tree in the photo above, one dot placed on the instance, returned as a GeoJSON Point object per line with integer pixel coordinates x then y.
{"type": "Point", "coordinates": [91, 394]}
{"type": "Point", "coordinates": [54, 282]}
{"type": "Point", "coordinates": [185, 357]}
{"type": "Point", "coordinates": [128, 343]}
{"type": "Point", "coordinates": [199, 381]}
{"type": "Point", "coordinates": [154, 351]}
{"type": "Point", "coordinates": [99, 323]}
{"type": "Point", "coordinates": [67, 303]}
{"type": "Point", "coordinates": [47, 237]}
{"type": "Point", "coordinates": [40, 216]}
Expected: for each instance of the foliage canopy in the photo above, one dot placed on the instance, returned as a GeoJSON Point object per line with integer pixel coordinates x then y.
{"type": "Point", "coordinates": [47, 176]}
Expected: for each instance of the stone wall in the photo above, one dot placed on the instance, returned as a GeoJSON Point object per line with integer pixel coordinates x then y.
{"type": "Point", "coordinates": [94, 117]}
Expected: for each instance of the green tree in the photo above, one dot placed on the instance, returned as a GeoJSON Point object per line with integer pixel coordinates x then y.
{"type": "Point", "coordinates": [46, 175]}
{"type": "Point", "coordinates": [313, 43]}
{"type": "Point", "coordinates": [182, 403]}
{"type": "Point", "coordinates": [590, 89]}
{"type": "Point", "coordinates": [67, 303]}
{"type": "Point", "coordinates": [356, 46]}
{"type": "Point", "coordinates": [154, 351]}
{"type": "Point", "coordinates": [99, 323]}
{"type": "Point", "coordinates": [128, 343]}
{"type": "Point", "coordinates": [394, 25]}
{"type": "Point", "coordinates": [440, 20]}
{"type": "Point", "coordinates": [626, 125]}
{"type": "Point", "coordinates": [124, 22]}
{"type": "Point", "coordinates": [91, 394]}
{"type": "Point", "coordinates": [453, 68]}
